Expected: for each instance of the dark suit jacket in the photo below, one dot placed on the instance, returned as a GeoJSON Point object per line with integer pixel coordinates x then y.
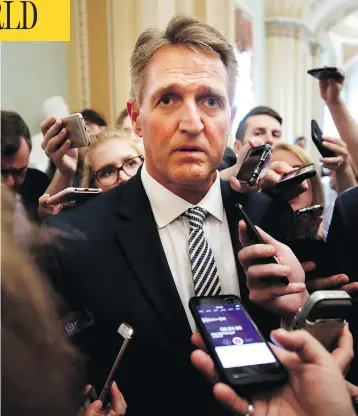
{"type": "Point", "coordinates": [228, 160]}
{"type": "Point", "coordinates": [117, 269]}
{"type": "Point", "coordinates": [342, 237]}
{"type": "Point", "coordinates": [34, 186]}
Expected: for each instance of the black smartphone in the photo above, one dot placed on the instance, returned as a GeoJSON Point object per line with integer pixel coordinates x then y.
{"type": "Point", "coordinates": [328, 72]}
{"type": "Point", "coordinates": [253, 164]}
{"type": "Point", "coordinates": [243, 358]}
{"type": "Point", "coordinates": [296, 177]}
{"type": "Point", "coordinates": [317, 137]}
{"type": "Point", "coordinates": [127, 333]}
{"type": "Point", "coordinates": [311, 212]}
{"type": "Point", "coordinates": [255, 238]}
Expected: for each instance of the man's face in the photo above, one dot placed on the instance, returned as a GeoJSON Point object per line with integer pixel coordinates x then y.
{"type": "Point", "coordinates": [263, 126]}
{"type": "Point", "coordinates": [14, 168]}
{"type": "Point", "coordinates": [184, 117]}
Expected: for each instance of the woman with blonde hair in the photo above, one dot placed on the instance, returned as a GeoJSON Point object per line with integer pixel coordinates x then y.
{"type": "Point", "coordinates": [112, 158]}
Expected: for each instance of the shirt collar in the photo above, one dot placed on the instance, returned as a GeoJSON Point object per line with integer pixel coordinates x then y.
{"type": "Point", "coordinates": [167, 206]}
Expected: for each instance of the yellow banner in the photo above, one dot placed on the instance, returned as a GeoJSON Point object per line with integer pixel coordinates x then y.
{"type": "Point", "coordinates": [35, 20]}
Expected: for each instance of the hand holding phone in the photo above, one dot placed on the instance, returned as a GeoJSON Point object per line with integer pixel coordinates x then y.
{"type": "Point", "coordinates": [72, 194]}
{"type": "Point", "coordinates": [296, 177]}
{"type": "Point", "coordinates": [317, 137]}
{"type": "Point", "coordinates": [265, 280]}
{"type": "Point", "coordinates": [244, 360]}
{"type": "Point", "coordinates": [312, 362]}
{"type": "Point", "coordinates": [253, 237]}
{"type": "Point", "coordinates": [278, 171]}
{"type": "Point", "coordinates": [325, 73]}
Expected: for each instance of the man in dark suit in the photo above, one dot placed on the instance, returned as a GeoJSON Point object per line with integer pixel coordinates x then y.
{"type": "Point", "coordinates": [28, 183]}
{"type": "Point", "coordinates": [133, 256]}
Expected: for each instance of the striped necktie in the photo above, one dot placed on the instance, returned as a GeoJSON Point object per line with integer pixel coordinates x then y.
{"type": "Point", "coordinates": [205, 274]}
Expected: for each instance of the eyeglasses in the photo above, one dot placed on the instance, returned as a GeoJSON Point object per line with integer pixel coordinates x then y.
{"type": "Point", "coordinates": [109, 175]}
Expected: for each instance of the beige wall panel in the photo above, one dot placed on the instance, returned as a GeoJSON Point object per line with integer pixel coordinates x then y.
{"type": "Point", "coordinates": [98, 56]}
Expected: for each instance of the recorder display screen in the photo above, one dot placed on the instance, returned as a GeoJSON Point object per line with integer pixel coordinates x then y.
{"type": "Point", "coordinates": [236, 340]}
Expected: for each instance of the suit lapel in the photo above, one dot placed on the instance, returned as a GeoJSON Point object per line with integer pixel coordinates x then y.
{"type": "Point", "coordinates": [230, 199]}
{"type": "Point", "coordinates": [138, 237]}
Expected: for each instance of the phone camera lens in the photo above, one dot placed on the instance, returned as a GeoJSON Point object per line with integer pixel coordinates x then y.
{"type": "Point", "coordinates": [230, 300]}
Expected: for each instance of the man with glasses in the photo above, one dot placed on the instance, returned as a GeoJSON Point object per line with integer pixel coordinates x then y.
{"type": "Point", "coordinates": [29, 183]}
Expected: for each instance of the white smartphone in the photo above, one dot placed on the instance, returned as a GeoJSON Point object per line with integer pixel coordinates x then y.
{"type": "Point", "coordinates": [73, 194]}
{"type": "Point", "coordinates": [76, 130]}
{"type": "Point", "coordinates": [324, 315]}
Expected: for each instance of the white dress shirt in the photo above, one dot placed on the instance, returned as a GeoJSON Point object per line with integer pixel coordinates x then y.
{"type": "Point", "coordinates": [174, 234]}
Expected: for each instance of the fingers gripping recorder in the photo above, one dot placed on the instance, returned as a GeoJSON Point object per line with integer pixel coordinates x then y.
{"type": "Point", "coordinates": [324, 315]}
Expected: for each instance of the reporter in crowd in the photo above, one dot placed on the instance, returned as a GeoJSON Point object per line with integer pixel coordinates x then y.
{"type": "Point", "coordinates": [112, 158]}
{"type": "Point", "coordinates": [28, 183]}
{"type": "Point", "coordinates": [41, 372]}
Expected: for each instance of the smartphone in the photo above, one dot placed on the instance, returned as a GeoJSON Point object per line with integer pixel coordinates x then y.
{"type": "Point", "coordinates": [296, 177]}
{"type": "Point", "coordinates": [311, 212]}
{"type": "Point", "coordinates": [242, 357]}
{"type": "Point", "coordinates": [328, 72]}
{"type": "Point", "coordinates": [255, 238]}
{"type": "Point", "coordinates": [317, 137]}
{"type": "Point", "coordinates": [127, 333]}
{"type": "Point", "coordinates": [253, 164]}
{"type": "Point", "coordinates": [74, 194]}
{"type": "Point", "coordinates": [324, 315]}
{"type": "Point", "coordinates": [76, 130]}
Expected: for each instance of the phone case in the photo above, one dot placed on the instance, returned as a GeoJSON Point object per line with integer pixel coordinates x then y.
{"type": "Point", "coordinates": [313, 211]}
{"type": "Point", "coordinates": [74, 194]}
{"type": "Point", "coordinates": [326, 73]}
{"type": "Point", "coordinates": [266, 150]}
{"type": "Point", "coordinates": [317, 135]}
{"type": "Point", "coordinates": [76, 130]}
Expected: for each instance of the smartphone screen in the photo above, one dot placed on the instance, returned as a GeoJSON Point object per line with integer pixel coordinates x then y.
{"type": "Point", "coordinates": [235, 340]}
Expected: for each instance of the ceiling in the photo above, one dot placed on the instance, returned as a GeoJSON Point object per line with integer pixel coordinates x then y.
{"type": "Point", "coordinates": [347, 27]}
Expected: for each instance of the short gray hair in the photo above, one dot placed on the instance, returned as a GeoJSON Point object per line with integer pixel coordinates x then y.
{"type": "Point", "coordinates": [190, 33]}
